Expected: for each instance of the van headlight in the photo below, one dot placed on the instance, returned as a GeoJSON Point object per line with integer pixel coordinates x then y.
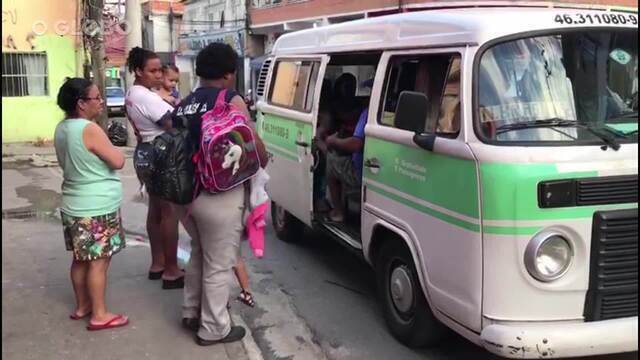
{"type": "Point", "coordinates": [548, 256]}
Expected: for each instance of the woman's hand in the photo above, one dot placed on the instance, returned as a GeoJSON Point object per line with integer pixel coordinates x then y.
{"type": "Point", "coordinates": [331, 140]}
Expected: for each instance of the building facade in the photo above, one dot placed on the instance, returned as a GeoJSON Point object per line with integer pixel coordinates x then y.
{"type": "Point", "coordinates": [39, 50]}
{"type": "Point", "coordinates": [272, 18]}
{"type": "Point", "coordinates": [114, 43]}
{"type": "Point", "coordinates": [161, 23]}
{"type": "Point", "coordinates": [208, 21]}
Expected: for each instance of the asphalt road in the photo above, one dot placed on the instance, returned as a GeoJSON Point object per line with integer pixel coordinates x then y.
{"type": "Point", "coordinates": [315, 299]}
{"type": "Point", "coordinates": [333, 292]}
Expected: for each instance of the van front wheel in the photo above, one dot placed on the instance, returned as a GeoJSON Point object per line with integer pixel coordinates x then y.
{"type": "Point", "coordinates": [287, 227]}
{"type": "Point", "coordinates": [405, 307]}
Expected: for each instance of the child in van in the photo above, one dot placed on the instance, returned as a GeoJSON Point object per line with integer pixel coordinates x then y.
{"type": "Point", "coordinates": [344, 156]}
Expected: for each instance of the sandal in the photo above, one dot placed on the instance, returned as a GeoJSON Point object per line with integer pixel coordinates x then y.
{"type": "Point", "coordinates": [173, 284]}
{"type": "Point", "coordinates": [74, 316]}
{"type": "Point", "coordinates": [246, 298]}
{"type": "Point", "coordinates": [334, 218]}
{"type": "Point", "coordinates": [111, 324]}
{"type": "Point", "coordinates": [155, 275]}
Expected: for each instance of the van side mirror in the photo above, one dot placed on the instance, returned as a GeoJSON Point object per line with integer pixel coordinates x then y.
{"type": "Point", "coordinates": [411, 111]}
{"type": "Point", "coordinates": [411, 114]}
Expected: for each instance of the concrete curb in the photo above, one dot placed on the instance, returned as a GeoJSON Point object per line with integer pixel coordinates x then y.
{"type": "Point", "coordinates": [249, 343]}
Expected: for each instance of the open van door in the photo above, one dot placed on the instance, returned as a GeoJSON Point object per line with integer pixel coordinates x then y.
{"type": "Point", "coordinates": [287, 124]}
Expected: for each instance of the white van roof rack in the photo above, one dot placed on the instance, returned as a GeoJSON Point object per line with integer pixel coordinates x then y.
{"type": "Point", "coordinates": [451, 26]}
{"type": "Point", "coordinates": [437, 5]}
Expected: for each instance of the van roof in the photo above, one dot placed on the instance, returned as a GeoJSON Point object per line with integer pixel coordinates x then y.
{"type": "Point", "coordinates": [439, 27]}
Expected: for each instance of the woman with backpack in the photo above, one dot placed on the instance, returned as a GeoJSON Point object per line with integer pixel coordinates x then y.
{"type": "Point", "coordinates": [215, 218]}
{"type": "Point", "coordinates": [151, 116]}
{"type": "Point", "coordinates": [91, 198]}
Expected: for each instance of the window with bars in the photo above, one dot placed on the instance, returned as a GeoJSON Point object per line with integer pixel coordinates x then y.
{"type": "Point", "coordinates": [24, 74]}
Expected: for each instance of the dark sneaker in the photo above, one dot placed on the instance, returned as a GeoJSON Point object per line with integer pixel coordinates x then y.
{"type": "Point", "coordinates": [173, 284]}
{"type": "Point", "coordinates": [192, 324]}
{"type": "Point", "coordinates": [236, 333]}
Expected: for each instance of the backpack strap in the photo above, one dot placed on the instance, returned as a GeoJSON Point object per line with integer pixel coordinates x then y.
{"type": "Point", "coordinates": [225, 96]}
{"type": "Point", "coordinates": [222, 97]}
{"type": "Point", "coordinates": [230, 95]}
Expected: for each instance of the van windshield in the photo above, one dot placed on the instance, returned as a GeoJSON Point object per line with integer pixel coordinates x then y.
{"type": "Point", "coordinates": [577, 87]}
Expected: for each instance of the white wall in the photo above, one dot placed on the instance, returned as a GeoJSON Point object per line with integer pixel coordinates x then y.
{"type": "Point", "coordinates": [187, 74]}
{"type": "Point", "coordinates": [210, 12]}
{"type": "Point", "coordinates": [161, 33]}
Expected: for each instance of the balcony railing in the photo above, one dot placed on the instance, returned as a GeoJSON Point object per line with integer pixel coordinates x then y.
{"type": "Point", "coordinates": [267, 4]}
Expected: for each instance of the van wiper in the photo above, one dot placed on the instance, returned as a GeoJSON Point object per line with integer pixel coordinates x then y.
{"type": "Point", "coordinates": [625, 115]}
{"type": "Point", "coordinates": [557, 122]}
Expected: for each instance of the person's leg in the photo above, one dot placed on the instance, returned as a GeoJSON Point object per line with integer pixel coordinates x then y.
{"type": "Point", "coordinates": [97, 284]}
{"type": "Point", "coordinates": [240, 271]}
{"type": "Point", "coordinates": [335, 187]}
{"type": "Point", "coordinates": [243, 279]}
{"type": "Point", "coordinates": [154, 219]}
{"type": "Point", "coordinates": [219, 220]}
{"type": "Point", "coordinates": [193, 276]}
{"type": "Point", "coordinates": [79, 271]}
{"type": "Point", "coordinates": [320, 185]}
{"type": "Point", "coordinates": [335, 190]}
{"type": "Point", "coordinates": [169, 229]}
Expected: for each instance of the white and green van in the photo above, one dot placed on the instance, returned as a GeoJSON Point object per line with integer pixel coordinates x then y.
{"type": "Point", "coordinates": [500, 177]}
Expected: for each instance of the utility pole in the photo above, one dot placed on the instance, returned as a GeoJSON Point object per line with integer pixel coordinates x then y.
{"type": "Point", "coordinates": [94, 29]}
{"type": "Point", "coordinates": [133, 17]}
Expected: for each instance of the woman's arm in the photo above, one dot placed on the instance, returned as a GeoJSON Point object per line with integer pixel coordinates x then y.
{"type": "Point", "coordinates": [239, 103]}
{"type": "Point", "coordinates": [96, 141]}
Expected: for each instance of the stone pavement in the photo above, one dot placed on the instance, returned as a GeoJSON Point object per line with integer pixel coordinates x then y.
{"type": "Point", "coordinates": [39, 156]}
{"type": "Point", "coordinates": [37, 294]}
{"type": "Point", "coordinates": [37, 299]}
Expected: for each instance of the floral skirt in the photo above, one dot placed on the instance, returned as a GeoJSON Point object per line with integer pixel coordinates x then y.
{"type": "Point", "coordinates": [92, 238]}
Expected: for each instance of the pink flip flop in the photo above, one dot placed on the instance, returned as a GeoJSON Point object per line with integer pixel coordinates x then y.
{"type": "Point", "coordinates": [111, 324]}
{"type": "Point", "coordinates": [74, 316]}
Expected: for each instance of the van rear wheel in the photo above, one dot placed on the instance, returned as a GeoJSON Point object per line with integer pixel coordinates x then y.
{"type": "Point", "coordinates": [405, 306]}
{"type": "Point", "coordinates": [287, 227]}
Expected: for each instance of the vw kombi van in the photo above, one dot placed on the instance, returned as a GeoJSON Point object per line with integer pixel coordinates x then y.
{"type": "Point", "coordinates": [499, 169]}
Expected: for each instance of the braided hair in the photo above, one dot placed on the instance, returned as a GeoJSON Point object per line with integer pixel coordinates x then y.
{"type": "Point", "coordinates": [138, 58]}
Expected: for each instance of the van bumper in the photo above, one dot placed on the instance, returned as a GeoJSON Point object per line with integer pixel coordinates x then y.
{"type": "Point", "coordinates": [554, 340]}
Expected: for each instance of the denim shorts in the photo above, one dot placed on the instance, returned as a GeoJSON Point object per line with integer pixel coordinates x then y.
{"type": "Point", "coordinates": [142, 162]}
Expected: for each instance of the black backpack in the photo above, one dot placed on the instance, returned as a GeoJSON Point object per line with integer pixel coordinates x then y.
{"type": "Point", "coordinates": [172, 175]}
{"type": "Point", "coordinates": [117, 133]}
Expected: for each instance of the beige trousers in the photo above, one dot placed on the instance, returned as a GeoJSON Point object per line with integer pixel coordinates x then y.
{"type": "Point", "coordinates": [215, 226]}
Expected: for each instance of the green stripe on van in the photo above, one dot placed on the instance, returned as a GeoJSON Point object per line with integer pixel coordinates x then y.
{"type": "Point", "coordinates": [498, 230]}
{"type": "Point", "coordinates": [507, 230]}
{"type": "Point", "coordinates": [510, 192]}
{"type": "Point", "coordinates": [444, 181]}
{"type": "Point", "coordinates": [278, 152]}
{"type": "Point", "coordinates": [283, 132]}
{"type": "Point", "coordinates": [426, 210]}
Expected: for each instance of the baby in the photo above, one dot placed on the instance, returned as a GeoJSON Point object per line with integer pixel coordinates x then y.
{"type": "Point", "coordinates": [168, 90]}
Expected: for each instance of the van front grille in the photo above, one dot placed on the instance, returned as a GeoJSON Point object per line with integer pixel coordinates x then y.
{"type": "Point", "coordinates": [613, 273]}
{"type": "Point", "coordinates": [607, 190]}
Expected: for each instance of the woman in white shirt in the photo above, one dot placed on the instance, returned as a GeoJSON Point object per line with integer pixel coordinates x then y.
{"type": "Point", "coordinates": [150, 116]}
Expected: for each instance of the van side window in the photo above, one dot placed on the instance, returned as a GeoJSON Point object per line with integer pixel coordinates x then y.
{"type": "Point", "coordinates": [435, 75]}
{"type": "Point", "coordinates": [294, 83]}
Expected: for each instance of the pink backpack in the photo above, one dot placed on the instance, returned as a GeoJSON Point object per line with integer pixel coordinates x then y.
{"type": "Point", "coordinates": [228, 155]}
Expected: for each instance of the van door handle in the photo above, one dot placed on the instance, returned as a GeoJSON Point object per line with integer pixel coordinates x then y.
{"type": "Point", "coordinates": [372, 163]}
{"type": "Point", "coordinates": [302, 143]}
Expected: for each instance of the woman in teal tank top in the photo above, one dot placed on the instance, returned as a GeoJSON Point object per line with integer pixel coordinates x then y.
{"type": "Point", "coordinates": [91, 198]}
